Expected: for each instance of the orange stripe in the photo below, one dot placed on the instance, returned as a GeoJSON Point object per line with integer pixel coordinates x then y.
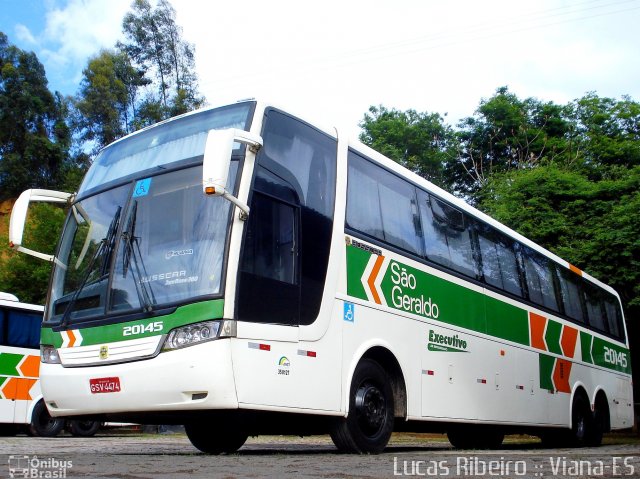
{"type": "Point", "coordinates": [568, 341]}
{"type": "Point", "coordinates": [561, 373]}
{"type": "Point", "coordinates": [24, 386]}
{"type": "Point", "coordinates": [537, 324]}
{"type": "Point", "coordinates": [9, 388]}
{"type": "Point", "coordinates": [30, 367]}
{"type": "Point", "coordinates": [72, 339]}
{"type": "Point", "coordinates": [575, 270]}
{"type": "Point", "coordinates": [372, 279]}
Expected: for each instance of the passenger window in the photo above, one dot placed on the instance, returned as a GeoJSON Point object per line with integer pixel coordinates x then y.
{"type": "Point", "coordinates": [23, 329]}
{"type": "Point", "coordinates": [447, 235]}
{"type": "Point", "coordinates": [382, 205]}
{"type": "Point", "coordinates": [270, 247]}
{"type": "Point", "coordinates": [499, 262]}
{"type": "Point", "coordinates": [570, 289]}
{"type": "Point", "coordinates": [539, 279]}
{"type": "Point", "coordinates": [614, 317]}
{"type": "Point", "coordinates": [595, 308]}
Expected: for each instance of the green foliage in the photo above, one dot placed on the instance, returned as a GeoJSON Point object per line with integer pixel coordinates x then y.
{"type": "Point", "coordinates": [154, 44]}
{"type": "Point", "coordinates": [419, 141]}
{"type": "Point", "coordinates": [104, 102]}
{"type": "Point", "coordinates": [25, 276]}
{"type": "Point", "coordinates": [34, 137]}
{"type": "Point", "coordinates": [593, 224]}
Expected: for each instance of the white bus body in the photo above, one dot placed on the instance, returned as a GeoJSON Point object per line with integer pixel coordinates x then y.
{"type": "Point", "coordinates": [356, 298]}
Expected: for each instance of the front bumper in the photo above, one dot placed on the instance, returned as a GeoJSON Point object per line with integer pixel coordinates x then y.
{"type": "Point", "coordinates": [194, 378]}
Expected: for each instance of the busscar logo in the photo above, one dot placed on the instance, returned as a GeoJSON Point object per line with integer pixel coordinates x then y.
{"type": "Point", "coordinates": [446, 343]}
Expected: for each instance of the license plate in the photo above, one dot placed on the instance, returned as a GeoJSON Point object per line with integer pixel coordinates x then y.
{"type": "Point", "coordinates": [104, 385]}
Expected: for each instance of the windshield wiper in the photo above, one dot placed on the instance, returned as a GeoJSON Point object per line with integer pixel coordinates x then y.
{"type": "Point", "coordinates": [139, 272]}
{"type": "Point", "coordinates": [105, 247]}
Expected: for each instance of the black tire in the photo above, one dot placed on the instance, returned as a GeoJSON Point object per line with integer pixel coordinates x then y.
{"type": "Point", "coordinates": [582, 423]}
{"type": "Point", "coordinates": [600, 423]}
{"type": "Point", "coordinates": [461, 437]}
{"type": "Point", "coordinates": [368, 427]}
{"type": "Point", "coordinates": [42, 424]}
{"type": "Point", "coordinates": [215, 438]}
{"type": "Point", "coordinates": [83, 428]}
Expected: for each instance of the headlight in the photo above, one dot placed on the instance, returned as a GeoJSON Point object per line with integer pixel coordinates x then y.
{"type": "Point", "coordinates": [49, 355]}
{"type": "Point", "coordinates": [198, 333]}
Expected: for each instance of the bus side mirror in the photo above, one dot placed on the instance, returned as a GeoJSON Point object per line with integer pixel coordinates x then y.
{"type": "Point", "coordinates": [217, 161]}
{"type": "Point", "coordinates": [19, 217]}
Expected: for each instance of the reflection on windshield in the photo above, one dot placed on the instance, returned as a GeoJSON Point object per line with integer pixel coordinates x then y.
{"type": "Point", "coordinates": [167, 237]}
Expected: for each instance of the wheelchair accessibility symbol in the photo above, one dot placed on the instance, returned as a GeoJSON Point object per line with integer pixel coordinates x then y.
{"type": "Point", "coordinates": [141, 188]}
{"type": "Point", "coordinates": [349, 312]}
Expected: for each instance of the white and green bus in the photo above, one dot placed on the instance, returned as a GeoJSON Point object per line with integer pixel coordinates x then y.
{"type": "Point", "coordinates": [21, 405]}
{"type": "Point", "coordinates": [241, 271]}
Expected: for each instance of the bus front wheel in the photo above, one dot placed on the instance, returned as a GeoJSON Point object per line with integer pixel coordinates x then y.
{"type": "Point", "coordinates": [215, 438]}
{"type": "Point", "coordinates": [42, 424]}
{"type": "Point", "coordinates": [369, 424]}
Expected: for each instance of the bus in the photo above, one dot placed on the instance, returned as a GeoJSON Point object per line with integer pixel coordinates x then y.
{"type": "Point", "coordinates": [21, 403]}
{"type": "Point", "coordinates": [242, 271]}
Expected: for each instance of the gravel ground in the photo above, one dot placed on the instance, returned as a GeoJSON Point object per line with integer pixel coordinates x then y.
{"type": "Point", "coordinates": [129, 456]}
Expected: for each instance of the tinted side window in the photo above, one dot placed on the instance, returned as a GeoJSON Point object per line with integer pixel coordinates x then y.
{"type": "Point", "coordinates": [270, 246]}
{"type": "Point", "coordinates": [448, 235]}
{"type": "Point", "coordinates": [596, 315]}
{"type": "Point", "coordinates": [571, 294]}
{"type": "Point", "coordinates": [305, 159]}
{"type": "Point", "coordinates": [499, 262]}
{"type": "Point", "coordinates": [539, 279]}
{"type": "Point", "coordinates": [23, 328]}
{"type": "Point", "coordinates": [382, 205]}
{"type": "Point", "coordinates": [614, 317]}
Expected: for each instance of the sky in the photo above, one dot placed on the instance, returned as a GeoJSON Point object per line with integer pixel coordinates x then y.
{"type": "Point", "coordinates": [332, 60]}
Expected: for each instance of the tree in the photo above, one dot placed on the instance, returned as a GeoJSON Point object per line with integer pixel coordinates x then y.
{"type": "Point", "coordinates": [34, 136]}
{"type": "Point", "coordinates": [106, 103]}
{"type": "Point", "coordinates": [419, 141]}
{"type": "Point", "coordinates": [608, 129]}
{"type": "Point", "coordinates": [506, 133]}
{"type": "Point", "coordinates": [154, 44]}
{"type": "Point", "coordinates": [592, 224]}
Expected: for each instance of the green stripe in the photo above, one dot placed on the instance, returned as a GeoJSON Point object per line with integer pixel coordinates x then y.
{"type": "Point", "coordinates": [456, 305]}
{"type": "Point", "coordinates": [585, 346]}
{"type": "Point", "coordinates": [610, 356]}
{"type": "Point", "coordinates": [507, 322]}
{"type": "Point", "coordinates": [112, 333]}
{"type": "Point", "coordinates": [552, 336]}
{"type": "Point", "coordinates": [356, 263]}
{"type": "Point", "coordinates": [9, 363]}
{"type": "Point", "coordinates": [546, 371]}
{"type": "Point", "coordinates": [459, 306]}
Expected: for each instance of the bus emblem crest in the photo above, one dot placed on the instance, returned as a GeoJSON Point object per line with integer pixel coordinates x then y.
{"type": "Point", "coordinates": [104, 352]}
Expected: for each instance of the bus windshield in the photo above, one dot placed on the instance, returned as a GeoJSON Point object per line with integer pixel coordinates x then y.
{"type": "Point", "coordinates": [150, 238]}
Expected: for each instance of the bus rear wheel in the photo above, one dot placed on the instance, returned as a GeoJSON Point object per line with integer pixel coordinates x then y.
{"type": "Point", "coordinates": [582, 422]}
{"type": "Point", "coordinates": [215, 438]}
{"type": "Point", "coordinates": [368, 427]}
{"type": "Point", "coordinates": [42, 424]}
{"type": "Point", "coordinates": [83, 428]}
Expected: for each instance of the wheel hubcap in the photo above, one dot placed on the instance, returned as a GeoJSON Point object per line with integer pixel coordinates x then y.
{"type": "Point", "coordinates": [370, 408]}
